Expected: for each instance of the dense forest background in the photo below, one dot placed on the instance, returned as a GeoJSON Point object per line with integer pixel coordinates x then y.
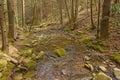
{"type": "Point", "coordinates": [60, 40]}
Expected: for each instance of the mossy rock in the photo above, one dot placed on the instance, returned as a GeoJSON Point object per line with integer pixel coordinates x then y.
{"type": "Point", "coordinates": [27, 53]}
{"type": "Point", "coordinates": [30, 63]}
{"type": "Point", "coordinates": [102, 76]}
{"type": "Point", "coordinates": [84, 37]}
{"type": "Point", "coordinates": [3, 64]}
{"type": "Point", "coordinates": [7, 71]}
{"type": "Point", "coordinates": [116, 57]}
{"type": "Point", "coordinates": [61, 52]}
{"type": "Point", "coordinates": [29, 74]}
{"type": "Point", "coordinates": [40, 55]}
{"type": "Point", "coordinates": [18, 76]}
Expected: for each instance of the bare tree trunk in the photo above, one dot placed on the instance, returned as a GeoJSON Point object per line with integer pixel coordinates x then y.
{"type": "Point", "coordinates": [98, 25]}
{"type": "Point", "coordinates": [5, 46]}
{"type": "Point", "coordinates": [16, 13]}
{"type": "Point", "coordinates": [92, 21]}
{"type": "Point", "coordinates": [67, 9]}
{"type": "Point", "coordinates": [23, 13]}
{"type": "Point", "coordinates": [60, 10]}
{"type": "Point", "coordinates": [11, 18]}
{"type": "Point", "coordinates": [104, 32]}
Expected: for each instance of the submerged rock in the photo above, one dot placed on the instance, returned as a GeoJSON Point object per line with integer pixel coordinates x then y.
{"type": "Point", "coordinates": [102, 76]}
{"type": "Point", "coordinates": [117, 73]}
{"type": "Point", "coordinates": [61, 52]}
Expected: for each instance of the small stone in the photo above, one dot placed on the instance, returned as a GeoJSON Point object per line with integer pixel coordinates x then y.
{"type": "Point", "coordinates": [102, 76]}
{"type": "Point", "coordinates": [64, 72]}
{"type": "Point", "coordinates": [102, 68]}
{"type": "Point", "coordinates": [89, 66]}
{"type": "Point", "coordinates": [87, 58]}
{"type": "Point", "coordinates": [117, 73]}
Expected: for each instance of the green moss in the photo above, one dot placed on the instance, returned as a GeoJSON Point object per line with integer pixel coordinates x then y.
{"type": "Point", "coordinates": [3, 64]}
{"type": "Point", "coordinates": [102, 76]}
{"type": "Point", "coordinates": [61, 52]}
{"type": "Point", "coordinates": [30, 63]}
{"type": "Point", "coordinates": [29, 74]}
{"type": "Point", "coordinates": [96, 47]}
{"type": "Point", "coordinates": [18, 76]}
{"type": "Point", "coordinates": [96, 44]}
{"type": "Point", "coordinates": [116, 57]}
{"type": "Point", "coordinates": [7, 71]}
{"type": "Point", "coordinates": [40, 55]}
{"type": "Point", "coordinates": [84, 37]}
{"type": "Point", "coordinates": [27, 53]}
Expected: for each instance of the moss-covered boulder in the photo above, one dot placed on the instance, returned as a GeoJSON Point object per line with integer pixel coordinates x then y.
{"type": "Point", "coordinates": [116, 57]}
{"type": "Point", "coordinates": [29, 63]}
{"type": "Point", "coordinates": [102, 76]}
{"type": "Point", "coordinates": [18, 76]}
{"type": "Point", "coordinates": [40, 55]}
{"type": "Point", "coordinates": [27, 53]}
{"type": "Point", "coordinates": [29, 75]}
{"type": "Point", "coordinates": [7, 71]}
{"type": "Point", "coordinates": [3, 64]}
{"type": "Point", "coordinates": [61, 52]}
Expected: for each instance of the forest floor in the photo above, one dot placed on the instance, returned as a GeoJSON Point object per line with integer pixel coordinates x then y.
{"type": "Point", "coordinates": [57, 53]}
{"type": "Point", "coordinates": [85, 56]}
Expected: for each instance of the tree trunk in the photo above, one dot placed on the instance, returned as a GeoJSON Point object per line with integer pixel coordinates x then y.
{"type": "Point", "coordinates": [11, 17]}
{"type": "Point", "coordinates": [5, 46]}
{"type": "Point", "coordinates": [104, 32]}
{"type": "Point", "coordinates": [92, 21]}
{"type": "Point", "coordinates": [23, 14]}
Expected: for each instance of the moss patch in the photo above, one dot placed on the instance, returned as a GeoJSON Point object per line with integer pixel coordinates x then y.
{"type": "Point", "coordinates": [116, 57]}
{"type": "Point", "coordinates": [96, 45]}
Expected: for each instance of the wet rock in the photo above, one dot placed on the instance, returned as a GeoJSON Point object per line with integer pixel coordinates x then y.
{"type": "Point", "coordinates": [102, 76]}
{"type": "Point", "coordinates": [117, 73]}
{"type": "Point", "coordinates": [87, 58]}
{"type": "Point", "coordinates": [89, 66]}
{"type": "Point", "coordinates": [61, 52]}
{"type": "Point", "coordinates": [102, 68]}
